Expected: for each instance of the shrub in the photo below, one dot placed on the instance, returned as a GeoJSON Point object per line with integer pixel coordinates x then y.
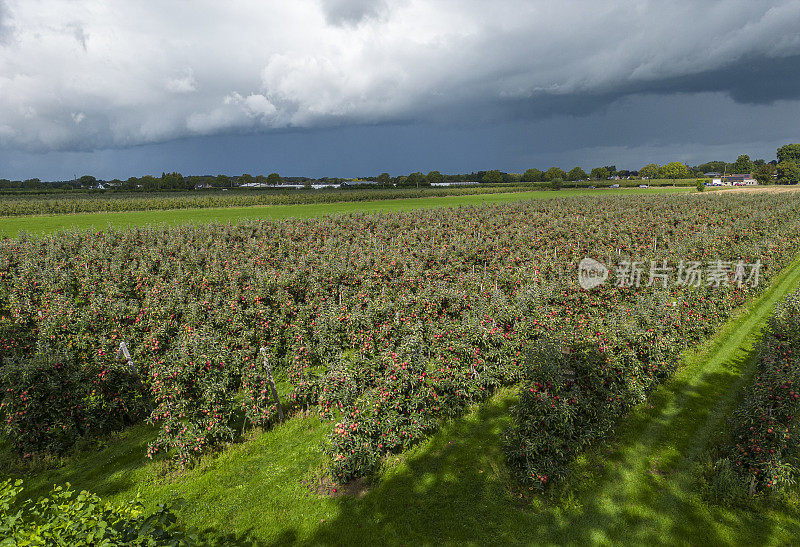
{"type": "Point", "coordinates": [574, 390]}
{"type": "Point", "coordinates": [338, 389]}
{"type": "Point", "coordinates": [194, 388]}
{"type": "Point", "coordinates": [457, 294]}
{"type": "Point", "coordinates": [389, 417]}
{"type": "Point", "coordinates": [83, 519]}
{"type": "Point", "coordinates": [51, 401]}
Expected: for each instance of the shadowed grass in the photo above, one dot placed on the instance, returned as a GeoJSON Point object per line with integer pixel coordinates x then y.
{"type": "Point", "coordinates": [251, 492]}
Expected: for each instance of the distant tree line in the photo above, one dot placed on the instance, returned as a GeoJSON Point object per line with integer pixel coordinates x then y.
{"type": "Point", "coordinates": [787, 171]}
{"type": "Point", "coordinates": [783, 170]}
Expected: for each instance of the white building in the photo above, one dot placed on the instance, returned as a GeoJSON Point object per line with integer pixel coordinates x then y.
{"type": "Point", "coordinates": [742, 179]}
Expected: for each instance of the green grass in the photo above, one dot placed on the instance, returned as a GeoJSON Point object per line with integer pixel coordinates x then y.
{"type": "Point", "coordinates": [40, 224]}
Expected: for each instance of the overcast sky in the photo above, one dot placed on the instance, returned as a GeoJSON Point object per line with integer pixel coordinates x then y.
{"type": "Point", "coordinates": [117, 88]}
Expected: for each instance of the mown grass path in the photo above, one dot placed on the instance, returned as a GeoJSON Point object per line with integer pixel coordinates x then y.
{"type": "Point", "coordinates": [41, 224]}
{"type": "Point", "coordinates": [646, 491]}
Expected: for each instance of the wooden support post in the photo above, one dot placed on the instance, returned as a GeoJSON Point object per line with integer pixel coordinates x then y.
{"type": "Point", "coordinates": [123, 350]}
{"type": "Point", "coordinates": [271, 380]}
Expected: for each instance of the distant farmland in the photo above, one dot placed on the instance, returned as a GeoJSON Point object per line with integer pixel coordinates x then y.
{"type": "Point", "coordinates": [39, 224]}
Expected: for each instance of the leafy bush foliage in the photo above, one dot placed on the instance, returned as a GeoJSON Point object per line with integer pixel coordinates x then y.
{"type": "Point", "coordinates": [82, 519]}
{"type": "Point", "coordinates": [51, 401]}
{"type": "Point", "coordinates": [193, 390]}
{"type": "Point", "coordinates": [387, 417]}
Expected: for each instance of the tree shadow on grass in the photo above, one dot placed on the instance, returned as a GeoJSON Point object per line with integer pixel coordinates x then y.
{"type": "Point", "coordinates": [112, 469]}
{"type": "Point", "coordinates": [647, 480]}
{"type": "Point", "coordinates": [637, 487]}
{"type": "Point", "coordinates": [105, 468]}
{"type": "Point", "coordinates": [212, 537]}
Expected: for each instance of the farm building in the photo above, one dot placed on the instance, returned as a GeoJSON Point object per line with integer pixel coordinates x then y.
{"type": "Point", "coordinates": [743, 179]}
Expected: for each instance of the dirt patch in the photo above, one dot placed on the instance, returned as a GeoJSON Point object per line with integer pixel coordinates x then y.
{"type": "Point", "coordinates": [324, 486]}
{"type": "Point", "coordinates": [768, 189]}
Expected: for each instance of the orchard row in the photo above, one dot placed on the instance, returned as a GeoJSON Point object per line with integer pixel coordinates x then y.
{"type": "Point", "coordinates": [762, 455]}
{"type": "Point", "coordinates": [65, 203]}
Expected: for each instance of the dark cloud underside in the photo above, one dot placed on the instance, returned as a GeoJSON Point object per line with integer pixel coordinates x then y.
{"type": "Point", "coordinates": [749, 81]}
{"type": "Point", "coordinates": [629, 133]}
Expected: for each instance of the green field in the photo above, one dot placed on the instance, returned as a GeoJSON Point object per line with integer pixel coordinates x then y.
{"type": "Point", "coordinates": [639, 488]}
{"type": "Point", "coordinates": [12, 226]}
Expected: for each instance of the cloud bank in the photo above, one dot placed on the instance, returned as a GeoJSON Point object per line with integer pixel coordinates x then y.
{"type": "Point", "coordinates": [85, 74]}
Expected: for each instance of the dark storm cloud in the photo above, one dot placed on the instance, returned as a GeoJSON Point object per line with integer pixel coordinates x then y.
{"type": "Point", "coordinates": [753, 80]}
{"type": "Point", "coordinates": [631, 132]}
